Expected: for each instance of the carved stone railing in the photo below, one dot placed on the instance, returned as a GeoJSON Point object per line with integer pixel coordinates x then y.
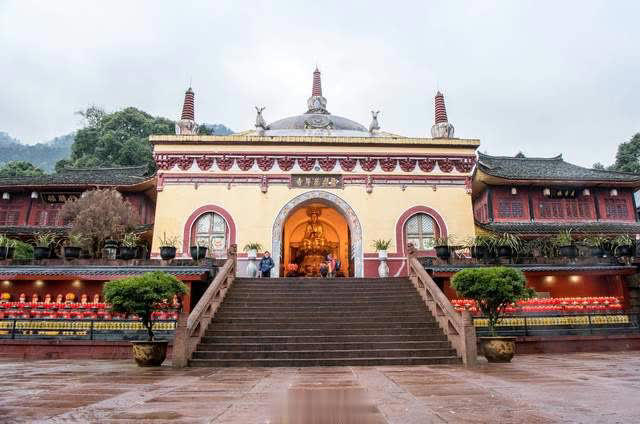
{"type": "Point", "coordinates": [191, 328]}
{"type": "Point", "coordinates": [458, 327]}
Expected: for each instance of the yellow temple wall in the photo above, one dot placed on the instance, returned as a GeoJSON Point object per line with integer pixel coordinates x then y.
{"type": "Point", "coordinates": [254, 212]}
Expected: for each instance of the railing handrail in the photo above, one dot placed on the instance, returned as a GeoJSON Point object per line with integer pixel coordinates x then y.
{"type": "Point", "coordinates": [208, 295]}
{"type": "Point", "coordinates": [458, 328]}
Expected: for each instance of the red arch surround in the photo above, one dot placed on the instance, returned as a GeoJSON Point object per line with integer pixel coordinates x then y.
{"type": "Point", "coordinates": [186, 235]}
{"type": "Point", "coordinates": [401, 237]}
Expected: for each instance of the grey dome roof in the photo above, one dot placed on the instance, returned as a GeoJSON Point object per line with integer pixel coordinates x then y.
{"type": "Point", "coordinates": [300, 122]}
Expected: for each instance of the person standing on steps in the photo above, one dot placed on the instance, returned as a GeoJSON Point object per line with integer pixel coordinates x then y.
{"type": "Point", "coordinates": [266, 263]}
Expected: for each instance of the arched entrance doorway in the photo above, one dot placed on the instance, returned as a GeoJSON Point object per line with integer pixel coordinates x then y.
{"type": "Point", "coordinates": [327, 214]}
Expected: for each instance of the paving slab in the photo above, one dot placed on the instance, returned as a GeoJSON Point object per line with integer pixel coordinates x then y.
{"type": "Point", "coordinates": [560, 388]}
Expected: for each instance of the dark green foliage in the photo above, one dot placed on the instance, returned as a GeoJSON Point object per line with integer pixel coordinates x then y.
{"type": "Point", "coordinates": [493, 288]}
{"type": "Point", "coordinates": [628, 156]}
{"type": "Point", "coordinates": [118, 138]}
{"type": "Point", "coordinates": [22, 250]}
{"type": "Point", "coordinates": [42, 155]}
{"type": "Point", "coordinates": [140, 295]}
{"type": "Point", "coordinates": [20, 168]}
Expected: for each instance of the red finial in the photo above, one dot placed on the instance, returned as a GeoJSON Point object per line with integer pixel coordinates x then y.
{"type": "Point", "coordinates": [188, 112]}
{"type": "Point", "coordinates": [441, 110]}
{"type": "Point", "coordinates": [317, 85]}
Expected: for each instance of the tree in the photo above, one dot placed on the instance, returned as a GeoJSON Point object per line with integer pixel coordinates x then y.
{"type": "Point", "coordinates": [628, 156]}
{"type": "Point", "coordinates": [99, 215]}
{"type": "Point", "coordinates": [598, 166]}
{"type": "Point", "coordinates": [142, 294]}
{"type": "Point", "coordinates": [20, 168]}
{"type": "Point", "coordinates": [493, 288]}
{"type": "Point", "coordinates": [118, 138]}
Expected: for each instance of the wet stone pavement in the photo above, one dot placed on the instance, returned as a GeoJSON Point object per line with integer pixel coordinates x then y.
{"type": "Point", "coordinates": [581, 388]}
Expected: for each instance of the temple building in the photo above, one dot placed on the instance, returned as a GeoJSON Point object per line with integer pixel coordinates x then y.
{"type": "Point", "coordinates": [312, 184]}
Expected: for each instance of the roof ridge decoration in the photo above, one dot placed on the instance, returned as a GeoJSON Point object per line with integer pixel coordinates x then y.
{"type": "Point", "coordinates": [187, 123]}
{"type": "Point", "coordinates": [317, 103]}
{"type": "Point", "coordinates": [442, 128]}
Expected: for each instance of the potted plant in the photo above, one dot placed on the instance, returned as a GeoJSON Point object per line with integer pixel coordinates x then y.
{"type": "Point", "coordinates": [73, 246]}
{"type": "Point", "coordinates": [252, 249]}
{"type": "Point", "coordinates": [129, 246]}
{"type": "Point", "coordinates": [481, 246]}
{"type": "Point", "coordinates": [538, 247]}
{"type": "Point", "coordinates": [598, 245]}
{"type": "Point", "coordinates": [168, 247]}
{"type": "Point", "coordinates": [4, 247]}
{"type": "Point", "coordinates": [198, 251]}
{"type": "Point", "coordinates": [564, 241]}
{"type": "Point", "coordinates": [441, 245]}
{"type": "Point", "coordinates": [44, 242]}
{"type": "Point", "coordinates": [292, 270]}
{"type": "Point", "coordinates": [381, 247]}
{"type": "Point", "coordinates": [623, 246]}
{"type": "Point", "coordinates": [140, 295]}
{"type": "Point", "coordinates": [493, 289]}
{"type": "Point", "coordinates": [508, 245]}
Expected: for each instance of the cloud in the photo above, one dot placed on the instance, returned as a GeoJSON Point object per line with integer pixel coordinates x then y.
{"type": "Point", "coordinates": [544, 77]}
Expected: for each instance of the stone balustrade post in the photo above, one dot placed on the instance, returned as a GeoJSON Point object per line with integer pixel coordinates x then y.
{"type": "Point", "coordinates": [180, 342]}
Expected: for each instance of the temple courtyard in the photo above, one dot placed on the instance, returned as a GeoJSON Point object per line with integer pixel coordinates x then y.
{"type": "Point", "coordinates": [581, 387]}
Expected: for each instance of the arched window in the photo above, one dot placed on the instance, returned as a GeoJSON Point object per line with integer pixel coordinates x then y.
{"type": "Point", "coordinates": [420, 230]}
{"type": "Point", "coordinates": [210, 230]}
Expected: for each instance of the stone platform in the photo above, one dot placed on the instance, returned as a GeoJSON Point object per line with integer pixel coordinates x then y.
{"type": "Point", "coordinates": [585, 388]}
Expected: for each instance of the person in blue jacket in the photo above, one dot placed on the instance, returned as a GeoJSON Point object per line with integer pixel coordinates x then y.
{"type": "Point", "coordinates": [266, 263]}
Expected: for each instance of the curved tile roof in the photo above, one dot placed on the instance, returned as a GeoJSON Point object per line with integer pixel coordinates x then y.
{"type": "Point", "coordinates": [114, 176]}
{"type": "Point", "coordinates": [554, 168]}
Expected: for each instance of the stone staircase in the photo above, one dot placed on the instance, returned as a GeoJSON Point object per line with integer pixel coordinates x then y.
{"type": "Point", "coordinates": [292, 322]}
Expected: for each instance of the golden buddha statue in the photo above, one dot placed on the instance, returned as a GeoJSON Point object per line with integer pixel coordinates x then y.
{"type": "Point", "coordinates": [314, 239]}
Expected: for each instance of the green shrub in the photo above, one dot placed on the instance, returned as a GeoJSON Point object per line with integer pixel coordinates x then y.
{"type": "Point", "coordinates": [142, 294]}
{"type": "Point", "coordinates": [493, 288]}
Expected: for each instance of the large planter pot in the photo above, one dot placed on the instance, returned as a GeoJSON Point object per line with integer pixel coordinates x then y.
{"type": "Point", "coordinates": [41, 252]}
{"type": "Point", "coordinates": [382, 254]}
{"type": "Point", "coordinates": [569, 251]}
{"type": "Point", "coordinates": [443, 252]}
{"type": "Point", "coordinates": [252, 268]}
{"type": "Point", "coordinates": [4, 252]}
{"type": "Point", "coordinates": [167, 252]}
{"type": "Point", "coordinates": [198, 252]}
{"type": "Point", "coordinates": [480, 252]}
{"type": "Point", "coordinates": [625, 250]}
{"type": "Point", "coordinates": [597, 252]}
{"type": "Point", "coordinates": [498, 349]}
{"type": "Point", "coordinates": [71, 252]}
{"type": "Point", "coordinates": [505, 251]}
{"type": "Point", "coordinates": [127, 253]}
{"type": "Point", "coordinates": [10, 251]}
{"type": "Point", "coordinates": [150, 354]}
{"type": "Point", "coordinates": [252, 253]}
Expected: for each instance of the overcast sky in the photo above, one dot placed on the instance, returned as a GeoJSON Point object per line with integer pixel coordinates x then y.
{"type": "Point", "coordinates": [544, 77]}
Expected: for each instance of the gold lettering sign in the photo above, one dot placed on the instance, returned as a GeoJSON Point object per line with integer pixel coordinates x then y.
{"type": "Point", "coordinates": [316, 181]}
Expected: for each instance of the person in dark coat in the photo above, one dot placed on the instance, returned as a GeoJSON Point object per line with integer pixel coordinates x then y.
{"type": "Point", "coordinates": [266, 263]}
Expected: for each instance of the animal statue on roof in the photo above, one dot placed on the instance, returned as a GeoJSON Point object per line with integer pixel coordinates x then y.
{"type": "Point", "coordinates": [261, 124]}
{"type": "Point", "coordinates": [374, 126]}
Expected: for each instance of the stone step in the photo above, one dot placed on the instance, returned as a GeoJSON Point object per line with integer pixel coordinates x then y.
{"type": "Point", "coordinates": [354, 325]}
{"type": "Point", "coordinates": [411, 331]}
{"type": "Point", "coordinates": [328, 309]}
{"type": "Point", "coordinates": [323, 346]}
{"type": "Point", "coordinates": [323, 362]}
{"type": "Point", "coordinates": [315, 339]}
{"type": "Point", "coordinates": [317, 354]}
{"type": "Point", "coordinates": [316, 304]}
{"type": "Point", "coordinates": [345, 280]}
{"type": "Point", "coordinates": [261, 294]}
{"type": "Point", "coordinates": [345, 317]}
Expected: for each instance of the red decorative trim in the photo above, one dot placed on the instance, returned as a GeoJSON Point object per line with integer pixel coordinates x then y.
{"type": "Point", "coordinates": [185, 162]}
{"type": "Point", "coordinates": [245, 163]}
{"type": "Point", "coordinates": [464, 164]}
{"type": "Point", "coordinates": [265, 163]}
{"type": "Point", "coordinates": [327, 164]}
{"type": "Point", "coordinates": [388, 164]}
{"type": "Point", "coordinates": [224, 163]}
{"type": "Point", "coordinates": [368, 164]}
{"type": "Point", "coordinates": [407, 165]}
{"type": "Point", "coordinates": [401, 238]}
{"type": "Point", "coordinates": [306, 164]}
{"type": "Point", "coordinates": [427, 165]}
{"type": "Point", "coordinates": [286, 163]}
{"type": "Point", "coordinates": [445, 165]}
{"type": "Point", "coordinates": [186, 235]}
{"type": "Point", "coordinates": [348, 164]}
{"type": "Point", "coordinates": [204, 163]}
